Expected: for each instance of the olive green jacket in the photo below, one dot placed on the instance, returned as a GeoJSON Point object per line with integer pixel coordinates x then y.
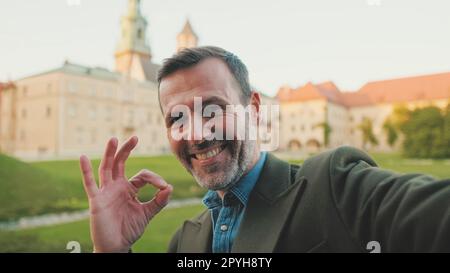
{"type": "Point", "coordinates": [337, 201]}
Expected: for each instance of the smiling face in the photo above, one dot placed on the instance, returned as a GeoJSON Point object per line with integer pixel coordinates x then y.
{"type": "Point", "coordinates": [215, 164]}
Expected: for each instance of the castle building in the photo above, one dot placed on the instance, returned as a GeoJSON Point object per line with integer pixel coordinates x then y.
{"type": "Point", "coordinates": [74, 109]}
{"type": "Point", "coordinates": [309, 111]}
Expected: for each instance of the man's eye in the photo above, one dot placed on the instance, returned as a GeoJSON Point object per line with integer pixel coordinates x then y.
{"type": "Point", "coordinates": [172, 120]}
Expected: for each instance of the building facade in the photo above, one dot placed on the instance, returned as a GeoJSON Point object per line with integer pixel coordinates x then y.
{"type": "Point", "coordinates": [74, 109]}
{"type": "Point", "coordinates": [316, 116]}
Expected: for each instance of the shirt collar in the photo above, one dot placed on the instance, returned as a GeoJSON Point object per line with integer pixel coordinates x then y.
{"type": "Point", "coordinates": [241, 190]}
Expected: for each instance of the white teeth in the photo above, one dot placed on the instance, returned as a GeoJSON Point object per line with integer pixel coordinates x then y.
{"type": "Point", "coordinates": [209, 154]}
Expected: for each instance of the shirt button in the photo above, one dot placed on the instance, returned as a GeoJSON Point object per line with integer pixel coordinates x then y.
{"type": "Point", "coordinates": [223, 227]}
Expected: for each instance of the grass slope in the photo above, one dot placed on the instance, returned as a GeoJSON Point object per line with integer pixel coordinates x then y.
{"type": "Point", "coordinates": [53, 186]}
{"type": "Point", "coordinates": [55, 238]}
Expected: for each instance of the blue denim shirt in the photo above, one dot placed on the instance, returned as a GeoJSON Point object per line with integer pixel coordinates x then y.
{"type": "Point", "coordinates": [227, 215]}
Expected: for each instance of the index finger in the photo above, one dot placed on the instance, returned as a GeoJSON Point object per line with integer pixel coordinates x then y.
{"type": "Point", "coordinates": [88, 178]}
{"type": "Point", "coordinates": [122, 156]}
{"type": "Point", "coordinates": [106, 165]}
{"type": "Point", "coordinates": [148, 177]}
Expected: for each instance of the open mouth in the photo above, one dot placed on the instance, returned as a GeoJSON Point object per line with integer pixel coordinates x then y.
{"type": "Point", "coordinates": [210, 153]}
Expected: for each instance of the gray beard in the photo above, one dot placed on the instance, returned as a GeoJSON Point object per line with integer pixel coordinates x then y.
{"type": "Point", "coordinates": [233, 173]}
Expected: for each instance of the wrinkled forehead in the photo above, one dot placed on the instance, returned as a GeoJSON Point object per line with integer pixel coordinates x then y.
{"type": "Point", "coordinates": [210, 78]}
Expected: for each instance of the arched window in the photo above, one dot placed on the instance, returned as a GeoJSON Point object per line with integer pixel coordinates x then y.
{"type": "Point", "coordinates": [139, 34]}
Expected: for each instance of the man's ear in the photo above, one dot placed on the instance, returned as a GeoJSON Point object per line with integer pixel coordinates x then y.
{"type": "Point", "coordinates": [255, 101]}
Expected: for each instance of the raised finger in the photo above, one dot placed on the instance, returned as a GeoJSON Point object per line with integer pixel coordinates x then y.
{"type": "Point", "coordinates": [88, 178]}
{"type": "Point", "coordinates": [122, 156]}
{"type": "Point", "coordinates": [106, 165]}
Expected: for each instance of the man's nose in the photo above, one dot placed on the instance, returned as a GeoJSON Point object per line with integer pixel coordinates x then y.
{"type": "Point", "coordinates": [196, 129]}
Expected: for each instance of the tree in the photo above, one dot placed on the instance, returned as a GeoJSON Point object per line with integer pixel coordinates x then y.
{"type": "Point", "coordinates": [400, 115]}
{"type": "Point", "coordinates": [366, 128]}
{"type": "Point", "coordinates": [391, 132]}
{"type": "Point", "coordinates": [326, 132]}
{"type": "Point", "coordinates": [425, 133]}
{"type": "Point", "coordinates": [446, 133]}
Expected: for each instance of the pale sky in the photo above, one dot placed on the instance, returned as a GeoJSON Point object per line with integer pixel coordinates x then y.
{"type": "Point", "coordinates": [282, 42]}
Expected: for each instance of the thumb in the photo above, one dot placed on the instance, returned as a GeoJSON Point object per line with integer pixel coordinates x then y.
{"type": "Point", "coordinates": [158, 202]}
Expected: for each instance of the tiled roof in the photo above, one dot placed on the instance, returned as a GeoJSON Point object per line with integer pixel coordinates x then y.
{"type": "Point", "coordinates": [71, 68]}
{"type": "Point", "coordinates": [150, 71]}
{"type": "Point", "coordinates": [428, 87]}
{"type": "Point", "coordinates": [6, 85]}
{"type": "Point", "coordinates": [310, 91]}
{"type": "Point", "coordinates": [97, 72]}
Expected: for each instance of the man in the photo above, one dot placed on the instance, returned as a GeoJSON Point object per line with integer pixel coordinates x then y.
{"type": "Point", "coordinates": [337, 201]}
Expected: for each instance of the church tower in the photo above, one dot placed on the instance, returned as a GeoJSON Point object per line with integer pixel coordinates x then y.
{"type": "Point", "coordinates": [187, 37]}
{"type": "Point", "coordinates": [132, 47]}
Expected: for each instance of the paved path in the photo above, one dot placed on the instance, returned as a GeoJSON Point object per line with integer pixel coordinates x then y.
{"type": "Point", "coordinates": [67, 217]}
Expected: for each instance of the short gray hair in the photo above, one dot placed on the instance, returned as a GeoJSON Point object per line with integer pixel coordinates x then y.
{"type": "Point", "coordinates": [191, 56]}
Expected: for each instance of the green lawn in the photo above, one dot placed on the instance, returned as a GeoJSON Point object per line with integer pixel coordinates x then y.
{"type": "Point", "coordinates": [437, 168]}
{"type": "Point", "coordinates": [167, 166]}
{"type": "Point", "coordinates": [27, 190]}
{"type": "Point", "coordinates": [53, 186]}
{"type": "Point", "coordinates": [55, 238]}
{"type": "Point", "coordinates": [395, 162]}
{"type": "Point", "coordinates": [36, 188]}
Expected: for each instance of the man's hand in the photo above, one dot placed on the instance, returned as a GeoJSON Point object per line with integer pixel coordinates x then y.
{"type": "Point", "coordinates": [117, 217]}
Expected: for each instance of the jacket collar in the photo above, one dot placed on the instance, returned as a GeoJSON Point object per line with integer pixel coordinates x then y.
{"type": "Point", "coordinates": [268, 209]}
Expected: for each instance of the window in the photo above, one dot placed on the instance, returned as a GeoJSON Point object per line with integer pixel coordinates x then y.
{"type": "Point", "coordinates": [22, 135]}
{"type": "Point", "coordinates": [108, 114]}
{"type": "Point", "coordinates": [25, 91]}
{"type": "Point", "coordinates": [42, 150]}
{"type": "Point", "coordinates": [24, 113]}
{"type": "Point", "coordinates": [128, 95]}
{"type": "Point", "coordinates": [93, 136]}
{"type": "Point", "coordinates": [109, 92]}
{"type": "Point", "coordinates": [72, 111]}
{"type": "Point", "coordinates": [92, 113]}
{"type": "Point", "coordinates": [71, 87]}
{"type": "Point", "coordinates": [48, 111]}
{"type": "Point", "coordinates": [92, 91]}
{"type": "Point", "coordinates": [130, 117]}
{"type": "Point", "coordinates": [139, 34]}
{"type": "Point", "coordinates": [80, 136]}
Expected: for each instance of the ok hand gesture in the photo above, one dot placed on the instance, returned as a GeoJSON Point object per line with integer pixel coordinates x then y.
{"type": "Point", "coordinates": [117, 217]}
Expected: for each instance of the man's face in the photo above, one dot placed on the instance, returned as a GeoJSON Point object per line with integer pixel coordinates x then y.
{"type": "Point", "coordinates": [215, 164]}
